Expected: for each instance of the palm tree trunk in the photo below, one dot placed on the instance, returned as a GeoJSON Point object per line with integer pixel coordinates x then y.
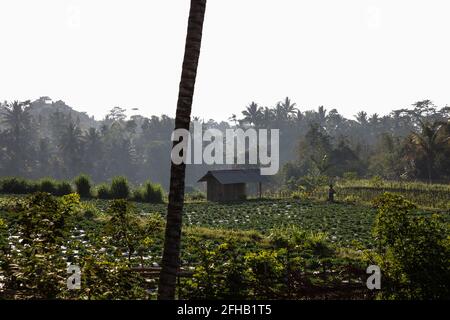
{"type": "Point", "coordinates": [171, 254]}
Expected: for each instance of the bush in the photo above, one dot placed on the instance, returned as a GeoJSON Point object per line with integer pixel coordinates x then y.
{"type": "Point", "coordinates": [37, 266]}
{"type": "Point", "coordinates": [63, 188]}
{"type": "Point", "coordinates": [119, 188]}
{"type": "Point", "coordinates": [412, 251]}
{"type": "Point", "coordinates": [153, 193]}
{"type": "Point", "coordinates": [103, 191]}
{"type": "Point", "coordinates": [83, 186]}
{"type": "Point", "coordinates": [17, 186]}
{"type": "Point", "coordinates": [220, 274]}
{"type": "Point", "coordinates": [48, 185]}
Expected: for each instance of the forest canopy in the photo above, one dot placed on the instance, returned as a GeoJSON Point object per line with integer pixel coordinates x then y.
{"type": "Point", "coordinates": [43, 138]}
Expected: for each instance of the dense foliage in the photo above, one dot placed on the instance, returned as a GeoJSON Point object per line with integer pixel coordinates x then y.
{"type": "Point", "coordinates": [321, 253]}
{"type": "Point", "coordinates": [49, 139]}
{"type": "Point", "coordinates": [413, 251]}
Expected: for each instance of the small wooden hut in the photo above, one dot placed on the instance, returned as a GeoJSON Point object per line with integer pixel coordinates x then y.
{"type": "Point", "coordinates": [230, 185]}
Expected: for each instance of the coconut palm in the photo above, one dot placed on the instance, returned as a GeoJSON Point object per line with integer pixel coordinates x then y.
{"type": "Point", "coordinates": [252, 114]}
{"type": "Point", "coordinates": [171, 253]}
{"type": "Point", "coordinates": [17, 119]}
{"type": "Point", "coordinates": [288, 107]}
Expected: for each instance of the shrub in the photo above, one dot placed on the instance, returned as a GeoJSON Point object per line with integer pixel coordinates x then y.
{"type": "Point", "coordinates": [153, 193]}
{"type": "Point", "coordinates": [103, 191]}
{"type": "Point", "coordinates": [83, 186]}
{"type": "Point", "coordinates": [48, 185]}
{"type": "Point", "coordinates": [412, 251]}
{"type": "Point", "coordinates": [264, 273]}
{"type": "Point", "coordinates": [38, 261]}
{"type": "Point", "coordinates": [220, 273]}
{"type": "Point", "coordinates": [63, 188]}
{"type": "Point", "coordinates": [17, 186]}
{"type": "Point", "coordinates": [119, 188]}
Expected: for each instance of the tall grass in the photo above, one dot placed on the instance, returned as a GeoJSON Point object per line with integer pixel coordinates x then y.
{"type": "Point", "coordinates": [153, 193]}
{"type": "Point", "coordinates": [120, 188]}
{"type": "Point", "coordinates": [149, 192]}
{"type": "Point", "coordinates": [83, 185]}
{"type": "Point", "coordinates": [17, 186]}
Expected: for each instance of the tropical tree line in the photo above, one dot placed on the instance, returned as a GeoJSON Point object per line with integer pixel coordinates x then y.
{"type": "Point", "coordinates": [410, 143]}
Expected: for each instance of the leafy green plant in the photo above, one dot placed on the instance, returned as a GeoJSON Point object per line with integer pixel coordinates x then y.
{"type": "Point", "coordinates": [130, 232]}
{"type": "Point", "coordinates": [42, 226]}
{"type": "Point", "coordinates": [265, 270]}
{"type": "Point", "coordinates": [220, 273]}
{"type": "Point", "coordinates": [412, 251]}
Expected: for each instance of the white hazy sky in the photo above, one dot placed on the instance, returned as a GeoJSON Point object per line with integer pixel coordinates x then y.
{"type": "Point", "coordinates": [348, 54]}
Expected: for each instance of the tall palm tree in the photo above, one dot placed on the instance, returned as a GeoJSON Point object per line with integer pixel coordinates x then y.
{"type": "Point", "coordinates": [171, 254]}
{"type": "Point", "coordinates": [288, 107]}
{"type": "Point", "coordinates": [17, 118]}
{"type": "Point", "coordinates": [252, 114]}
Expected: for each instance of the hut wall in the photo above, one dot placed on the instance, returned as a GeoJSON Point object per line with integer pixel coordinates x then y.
{"type": "Point", "coordinates": [225, 192]}
{"type": "Point", "coordinates": [234, 192]}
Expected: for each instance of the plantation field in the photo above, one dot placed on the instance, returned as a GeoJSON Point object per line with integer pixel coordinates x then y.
{"type": "Point", "coordinates": [343, 223]}
{"type": "Point", "coordinates": [324, 247]}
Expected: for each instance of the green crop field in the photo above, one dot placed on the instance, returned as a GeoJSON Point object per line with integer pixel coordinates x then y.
{"type": "Point", "coordinates": [343, 223]}
{"type": "Point", "coordinates": [324, 240]}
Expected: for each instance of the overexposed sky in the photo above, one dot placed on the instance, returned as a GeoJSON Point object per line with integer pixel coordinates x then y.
{"type": "Point", "coordinates": [346, 54]}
